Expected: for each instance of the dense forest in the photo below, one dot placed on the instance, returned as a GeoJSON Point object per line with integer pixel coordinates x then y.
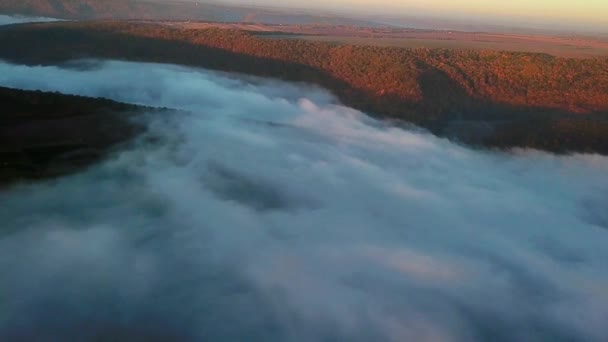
{"type": "Point", "coordinates": [494, 98]}
{"type": "Point", "coordinates": [47, 134]}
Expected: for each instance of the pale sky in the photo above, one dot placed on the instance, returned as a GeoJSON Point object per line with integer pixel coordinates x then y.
{"type": "Point", "coordinates": [584, 13]}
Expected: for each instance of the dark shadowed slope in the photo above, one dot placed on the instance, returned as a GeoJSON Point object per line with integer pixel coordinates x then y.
{"type": "Point", "coordinates": [47, 134]}
{"type": "Point", "coordinates": [502, 99]}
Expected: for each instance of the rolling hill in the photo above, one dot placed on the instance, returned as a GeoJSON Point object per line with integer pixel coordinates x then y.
{"type": "Point", "coordinates": [49, 134]}
{"type": "Point", "coordinates": [488, 98]}
{"type": "Point", "coordinates": [167, 10]}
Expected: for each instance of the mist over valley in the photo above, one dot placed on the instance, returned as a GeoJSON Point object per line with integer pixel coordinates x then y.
{"type": "Point", "coordinates": [268, 209]}
{"type": "Point", "coordinates": [193, 171]}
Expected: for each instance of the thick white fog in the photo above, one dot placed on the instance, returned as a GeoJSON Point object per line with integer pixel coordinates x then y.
{"type": "Point", "coordinates": [268, 212]}
{"type": "Point", "coordinates": [8, 19]}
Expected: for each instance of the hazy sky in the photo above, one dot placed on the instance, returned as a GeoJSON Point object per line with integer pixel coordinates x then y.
{"type": "Point", "coordinates": [587, 13]}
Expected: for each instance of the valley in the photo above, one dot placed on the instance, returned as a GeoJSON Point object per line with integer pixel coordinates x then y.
{"type": "Point", "coordinates": [519, 99]}
{"type": "Point", "coordinates": [254, 170]}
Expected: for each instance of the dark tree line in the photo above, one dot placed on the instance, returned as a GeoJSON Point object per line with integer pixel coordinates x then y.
{"type": "Point", "coordinates": [47, 134]}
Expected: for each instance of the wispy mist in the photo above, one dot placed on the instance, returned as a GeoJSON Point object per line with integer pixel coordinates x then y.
{"type": "Point", "coordinates": [269, 212]}
{"type": "Point", "coordinates": [8, 19]}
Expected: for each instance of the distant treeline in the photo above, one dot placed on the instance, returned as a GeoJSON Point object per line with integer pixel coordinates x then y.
{"type": "Point", "coordinates": [106, 9]}
{"type": "Point", "coordinates": [168, 10]}
{"type": "Point", "coordinates": [23, 106]}
{"type": "Point", "coordinates": [523, 99]}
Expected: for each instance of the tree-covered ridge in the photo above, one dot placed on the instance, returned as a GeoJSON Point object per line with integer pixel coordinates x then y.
{"type": "Point", "coordinates": [68, 9]}
{"type": "Point", "coordinates": [46, 134]}
{"type": "Point", "coordinates": [514, 78]}
{"type": "Point", "coordinates": [521, 79]}
{"type": "Point", "coordinates": [22, 106]}
{"type": "Point", "coordinates": [450, 92]}
{"type": "Point", "coordinates": [167, 10]}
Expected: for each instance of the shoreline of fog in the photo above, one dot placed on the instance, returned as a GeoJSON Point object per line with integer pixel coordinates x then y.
{"type": "Point", "coordinates": [6, 19]}
{"type": "Point", "coordinates": [271, 212]}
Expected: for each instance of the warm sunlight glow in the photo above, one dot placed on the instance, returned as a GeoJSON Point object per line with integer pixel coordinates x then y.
{"type": "Point", "coordinates": [586, 13]}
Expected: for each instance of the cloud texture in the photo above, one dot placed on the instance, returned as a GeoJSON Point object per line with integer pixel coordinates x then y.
{"type": "Point", "coordinates": [271, 213]}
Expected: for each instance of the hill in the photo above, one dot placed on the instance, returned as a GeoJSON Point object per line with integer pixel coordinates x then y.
{"type": "Point", "coordinates": [166, 10]}
{"type": "Point", "coordinates": [490, 98]}
{"type": "Point", "coordinates": [48, 134]}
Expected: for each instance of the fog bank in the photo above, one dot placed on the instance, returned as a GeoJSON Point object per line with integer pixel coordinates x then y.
{"type": "Point", "coordinates": [9, 19]}
{"type": "Point", "coordinates": [269, 212]}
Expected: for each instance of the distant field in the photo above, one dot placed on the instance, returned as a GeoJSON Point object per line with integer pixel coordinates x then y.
{"type": "Point", "coordinates": [555, 49]}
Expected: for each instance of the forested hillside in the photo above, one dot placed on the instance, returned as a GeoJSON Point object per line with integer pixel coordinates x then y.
{"type": "Point", "coordinates": [476, 96]}
{"type": "Point", "coordinates": [69, 9]}
{"type": "Point", "coordinates": [46, 134]}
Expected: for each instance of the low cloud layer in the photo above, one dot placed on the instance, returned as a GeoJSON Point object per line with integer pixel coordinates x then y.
{"type": "Point", "coordinates": [271, 213]}
{"type": "Point", "coordinates": [8, 19]}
